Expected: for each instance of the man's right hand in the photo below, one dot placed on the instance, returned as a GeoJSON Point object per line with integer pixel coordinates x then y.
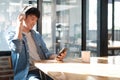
{"type": "Point", "coordinates": [20, 23]}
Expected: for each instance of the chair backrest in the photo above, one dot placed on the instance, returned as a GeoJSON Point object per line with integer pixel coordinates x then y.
{"type": "Point", "coordinates": [6, 71]}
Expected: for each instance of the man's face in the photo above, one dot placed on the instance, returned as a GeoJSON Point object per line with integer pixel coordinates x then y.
{"type": "Point", "coordinates": [30, 21]}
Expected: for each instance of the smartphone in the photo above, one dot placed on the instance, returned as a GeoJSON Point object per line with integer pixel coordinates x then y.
{"type": "Point", "coordinates": [62, 51]}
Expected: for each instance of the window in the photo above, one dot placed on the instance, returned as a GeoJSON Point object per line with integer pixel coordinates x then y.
{"type": "Point", "coordinates": [91, 27]}
{"type": "Point", "coordinates": [61, 25]}
{"type": "Point", "coordinates": [8, 15]}
{"type": "Point", "coordinates": [113, 24]}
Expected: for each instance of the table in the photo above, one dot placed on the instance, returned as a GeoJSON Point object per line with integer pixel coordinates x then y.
{"type": "Point", "coordinates": [113, 45]}
{"type": "Point", "coordinates": [75, 69]}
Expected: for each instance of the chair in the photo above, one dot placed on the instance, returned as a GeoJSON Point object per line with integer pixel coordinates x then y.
{"type": "Point", "coordinates": [6, 71]}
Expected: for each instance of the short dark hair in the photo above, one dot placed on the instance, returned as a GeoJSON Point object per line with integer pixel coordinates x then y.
{"type": "Point", "coordinates": [33, 11]}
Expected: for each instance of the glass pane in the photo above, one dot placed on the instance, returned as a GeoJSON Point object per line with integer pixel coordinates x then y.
{"type": "Point", "coordinates": [67, 25]}
{"type": "Point", "coordinates": [91, 28]}
{"type": "Point", "coordinates": [110, 20]}
{"type": "Point", "coordinates": [117, 20]}
{"type": "Point", "coordinates": [114, 26]}
{"type": "Point", "coordinates": [68, 29]}
{"type": "Point", "coordinates": [46, 24]}
{"type": "Point", "coordinates": [8, 15]}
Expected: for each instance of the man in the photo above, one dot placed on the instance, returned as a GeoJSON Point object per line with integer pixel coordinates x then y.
{"type": "Point", "coordinates": [27, 46]}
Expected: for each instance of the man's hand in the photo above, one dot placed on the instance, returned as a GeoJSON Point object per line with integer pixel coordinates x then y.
{"type": "Point", "coordinates": [21, 18]}
{"type": "Point", "coordinates": [61, 56]}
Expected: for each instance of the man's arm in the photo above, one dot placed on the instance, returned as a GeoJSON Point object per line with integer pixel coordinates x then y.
{"type": "Point", "coordinates": [20, 21]}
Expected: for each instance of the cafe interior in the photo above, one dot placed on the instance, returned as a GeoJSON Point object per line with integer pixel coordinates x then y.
{"type": "Point", "coordinates": [89, 29]}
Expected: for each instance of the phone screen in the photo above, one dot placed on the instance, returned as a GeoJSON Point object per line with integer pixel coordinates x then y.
{"type": "Point", "coordinates": [62, 50]}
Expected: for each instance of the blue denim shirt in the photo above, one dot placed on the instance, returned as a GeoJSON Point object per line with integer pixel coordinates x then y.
{"type": "Point", "coordinates": [20, 53]}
